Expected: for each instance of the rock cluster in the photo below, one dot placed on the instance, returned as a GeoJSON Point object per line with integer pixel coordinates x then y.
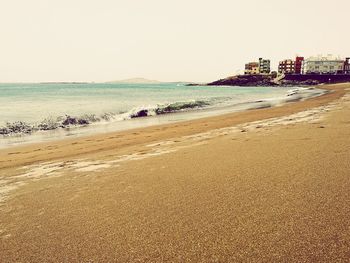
{"type": "Point", "coordinates": [20, 127]}
{"type": "Point", "coordinates": [16, 127]}
{"type": "Point", "coordinates": [245, 80]}
{"type": "Point", "coordinates": [260, 80]}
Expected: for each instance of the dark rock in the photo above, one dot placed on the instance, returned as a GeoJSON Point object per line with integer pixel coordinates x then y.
{"type": "Point", "coordinates": [16, 127]}
{"type": "Point", "coordinates": [70, 121]}
{"type": "Point", "coordinates": [83, 122]}
{"type": "Point", "coordinates": [4, 131]}
{"type": "Point", "coordinates": [48, 124]}
{"type": "Point", "coordinates": [141, 113]}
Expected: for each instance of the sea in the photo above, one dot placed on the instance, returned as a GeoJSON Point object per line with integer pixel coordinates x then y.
{"type": "Point", "coordinates": [32, 112]}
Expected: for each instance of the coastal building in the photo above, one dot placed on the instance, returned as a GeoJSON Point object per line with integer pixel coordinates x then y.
{"type": "Point", "coordinates": [323, 65]}
{"type": "Point", "coordinates": [261, 67]}
{"type": "Point", "coordinates": [264, 66]}
{"type": "Point", "coordinates": [286, 66]}
{"type": "Point", "coordinates": [347, 66]}
{"type": "Point", "coordinates": [252, 68]}
{"type": "Point", "coordinates": [298, 65]}
{"type": "Point", "coordinates": [289, 66]}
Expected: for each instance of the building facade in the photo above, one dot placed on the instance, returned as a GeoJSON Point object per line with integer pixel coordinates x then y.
{"type": "Point", "coordinates": [289, 66]}
{"type": "Point", "coordinates": [298, 65]}
{"type": "Point", "coordinates": [286, 66]}
{"type": "Point", "coordinates": [264, 66]}
{"type": "Point", "coordinates": [347, 66]}
{"type": "Point", "coordinates": [323, 65]}
{"type": "Point", "coordinates": [252, 68]}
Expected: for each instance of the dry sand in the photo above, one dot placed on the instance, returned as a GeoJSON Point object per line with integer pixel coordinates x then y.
{"type": "Point", "coordinates": [269, 185]}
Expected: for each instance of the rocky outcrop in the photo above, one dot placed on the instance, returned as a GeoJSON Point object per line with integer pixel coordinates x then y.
{"type": "Point", "coordinates": [245, 80]}
{"type": "Point", "coordinates": [263, 80]}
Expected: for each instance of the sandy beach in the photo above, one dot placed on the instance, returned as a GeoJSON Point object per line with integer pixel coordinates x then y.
{"type": "Point", "coordinates": [267, 185]}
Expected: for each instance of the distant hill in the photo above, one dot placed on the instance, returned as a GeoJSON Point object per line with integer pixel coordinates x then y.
{"type": "Point", "coordinates": [136, 81]}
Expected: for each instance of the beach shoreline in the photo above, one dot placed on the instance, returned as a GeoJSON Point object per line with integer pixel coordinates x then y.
{"type": "Point", "coordinates": [73, 146]}
{"type": "Point", "coordinates": [260, 185]}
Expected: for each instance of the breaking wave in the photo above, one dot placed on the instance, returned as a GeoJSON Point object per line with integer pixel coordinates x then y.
{"type": "Point", "coordinates": [67, 121]}
{"type": "Point", "coordinates": [164, 109]}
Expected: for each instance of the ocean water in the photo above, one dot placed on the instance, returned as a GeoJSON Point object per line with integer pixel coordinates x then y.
{"type": "Point", "coordinates": [45, 111]}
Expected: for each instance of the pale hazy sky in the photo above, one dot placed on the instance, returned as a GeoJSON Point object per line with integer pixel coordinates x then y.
{"type": "Point", "coordinates": [190, 40]}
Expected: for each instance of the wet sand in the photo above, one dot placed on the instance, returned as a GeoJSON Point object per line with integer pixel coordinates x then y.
{"type": "Point", "coordinates": [258, 186]}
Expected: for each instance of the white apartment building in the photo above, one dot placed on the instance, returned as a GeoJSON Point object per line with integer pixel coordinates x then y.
{"type": "Point", "coordinates": [323, 65]}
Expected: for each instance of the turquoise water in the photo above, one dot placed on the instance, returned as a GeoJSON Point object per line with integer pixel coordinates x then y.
{"type": "Point", "coordinates": [32, 103]}
{"type": "Point", "coordinates": [41, 112]}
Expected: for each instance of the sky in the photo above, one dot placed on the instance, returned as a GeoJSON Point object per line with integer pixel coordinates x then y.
{"type": "Point", "coordinates": [178, 40]}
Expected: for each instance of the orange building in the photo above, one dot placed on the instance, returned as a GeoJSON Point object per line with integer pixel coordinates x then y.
{"type": "Point", "coordinates": [252, 68]}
